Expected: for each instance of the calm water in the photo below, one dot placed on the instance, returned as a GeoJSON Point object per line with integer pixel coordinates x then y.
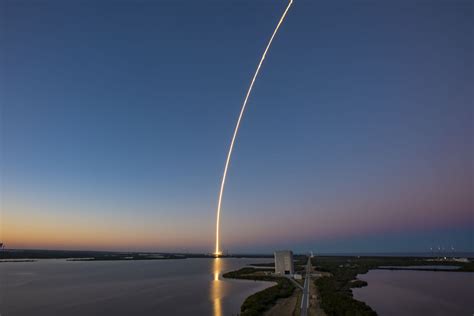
{"type": "Point", "coordinates": [395, 292]}
{"type": "Point", "coordinates": [422, 267]}
{"type": "Point", "coordinates": [155, 287]}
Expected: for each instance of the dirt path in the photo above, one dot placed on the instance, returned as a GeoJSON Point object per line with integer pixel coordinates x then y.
{"type": "Point", "coordinates": [314, 302]}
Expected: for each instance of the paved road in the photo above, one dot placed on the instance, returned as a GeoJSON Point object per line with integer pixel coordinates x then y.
{"type": "Point", "coordinates": [305, 299]}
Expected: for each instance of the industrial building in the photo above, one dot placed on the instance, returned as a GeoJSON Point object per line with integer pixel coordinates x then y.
{"type": "Point", "coordinates": [284, 262]}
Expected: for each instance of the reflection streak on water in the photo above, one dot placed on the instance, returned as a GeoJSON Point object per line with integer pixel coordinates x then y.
{"type": "Point", "coordinates": [216, 287]}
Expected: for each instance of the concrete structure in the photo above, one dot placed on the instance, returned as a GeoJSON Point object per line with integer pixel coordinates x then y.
{"type": "Point", "coordinates": [284, 262]}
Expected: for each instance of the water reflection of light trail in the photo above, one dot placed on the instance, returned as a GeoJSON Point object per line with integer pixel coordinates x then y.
{"type": "Point", "coordinates": [216, 287]}
{"type": "Point", "coordinates": [229, 154]}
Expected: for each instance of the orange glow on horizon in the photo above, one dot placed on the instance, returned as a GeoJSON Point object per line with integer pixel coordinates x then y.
{"type": "Point", "coordinates": [32, 227]}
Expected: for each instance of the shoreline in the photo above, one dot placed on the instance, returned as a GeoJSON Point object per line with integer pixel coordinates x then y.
{"type": "Point", "coordinates": [261, 301]}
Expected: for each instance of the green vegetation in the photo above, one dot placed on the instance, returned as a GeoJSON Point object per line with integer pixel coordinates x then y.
{"type": "Point", "coordinates": [358, 283]}
{"type": "Point", "coordinates": [250, 274]}
{"type": "Point", "coordinates": [259, 302]}
{"type": "Point", "coordinates": [336, 298]}
{"type": "Point", "coordinates": [269, 264]}
{"type": "Point", "coordinates": [335, 290]}
{"type": "Point", "coordinates": [364, 264]}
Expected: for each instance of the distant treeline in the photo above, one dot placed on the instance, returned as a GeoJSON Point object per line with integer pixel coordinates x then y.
{"type": "Point", "coordinates": [83, 255]}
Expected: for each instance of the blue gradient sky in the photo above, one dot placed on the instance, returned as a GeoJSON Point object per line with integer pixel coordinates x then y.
{"type": "Point", "coordinates": [117, 116]}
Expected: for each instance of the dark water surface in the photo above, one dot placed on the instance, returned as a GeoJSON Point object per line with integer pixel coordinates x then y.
{"type": "Point", "coordinates": [410, 293]}
{"type": "Point", "coordinates": [438, 267]}
{"type": "Point", "coordinates": [151, 287]}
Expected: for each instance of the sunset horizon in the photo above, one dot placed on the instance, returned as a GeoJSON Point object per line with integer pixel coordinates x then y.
{"type": "Point", "coordinates": [153, 151]}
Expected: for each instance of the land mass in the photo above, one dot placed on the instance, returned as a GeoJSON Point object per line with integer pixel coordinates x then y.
{"type": "Point", "coordinates": [332, 281]}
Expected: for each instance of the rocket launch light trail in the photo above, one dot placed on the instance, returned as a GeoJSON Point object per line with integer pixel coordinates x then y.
{"type": "Point", "coordinates": [244, 104]}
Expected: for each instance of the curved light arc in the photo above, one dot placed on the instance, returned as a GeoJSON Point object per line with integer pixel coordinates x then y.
{"type": "Point", "coordinates": [236, 130]}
